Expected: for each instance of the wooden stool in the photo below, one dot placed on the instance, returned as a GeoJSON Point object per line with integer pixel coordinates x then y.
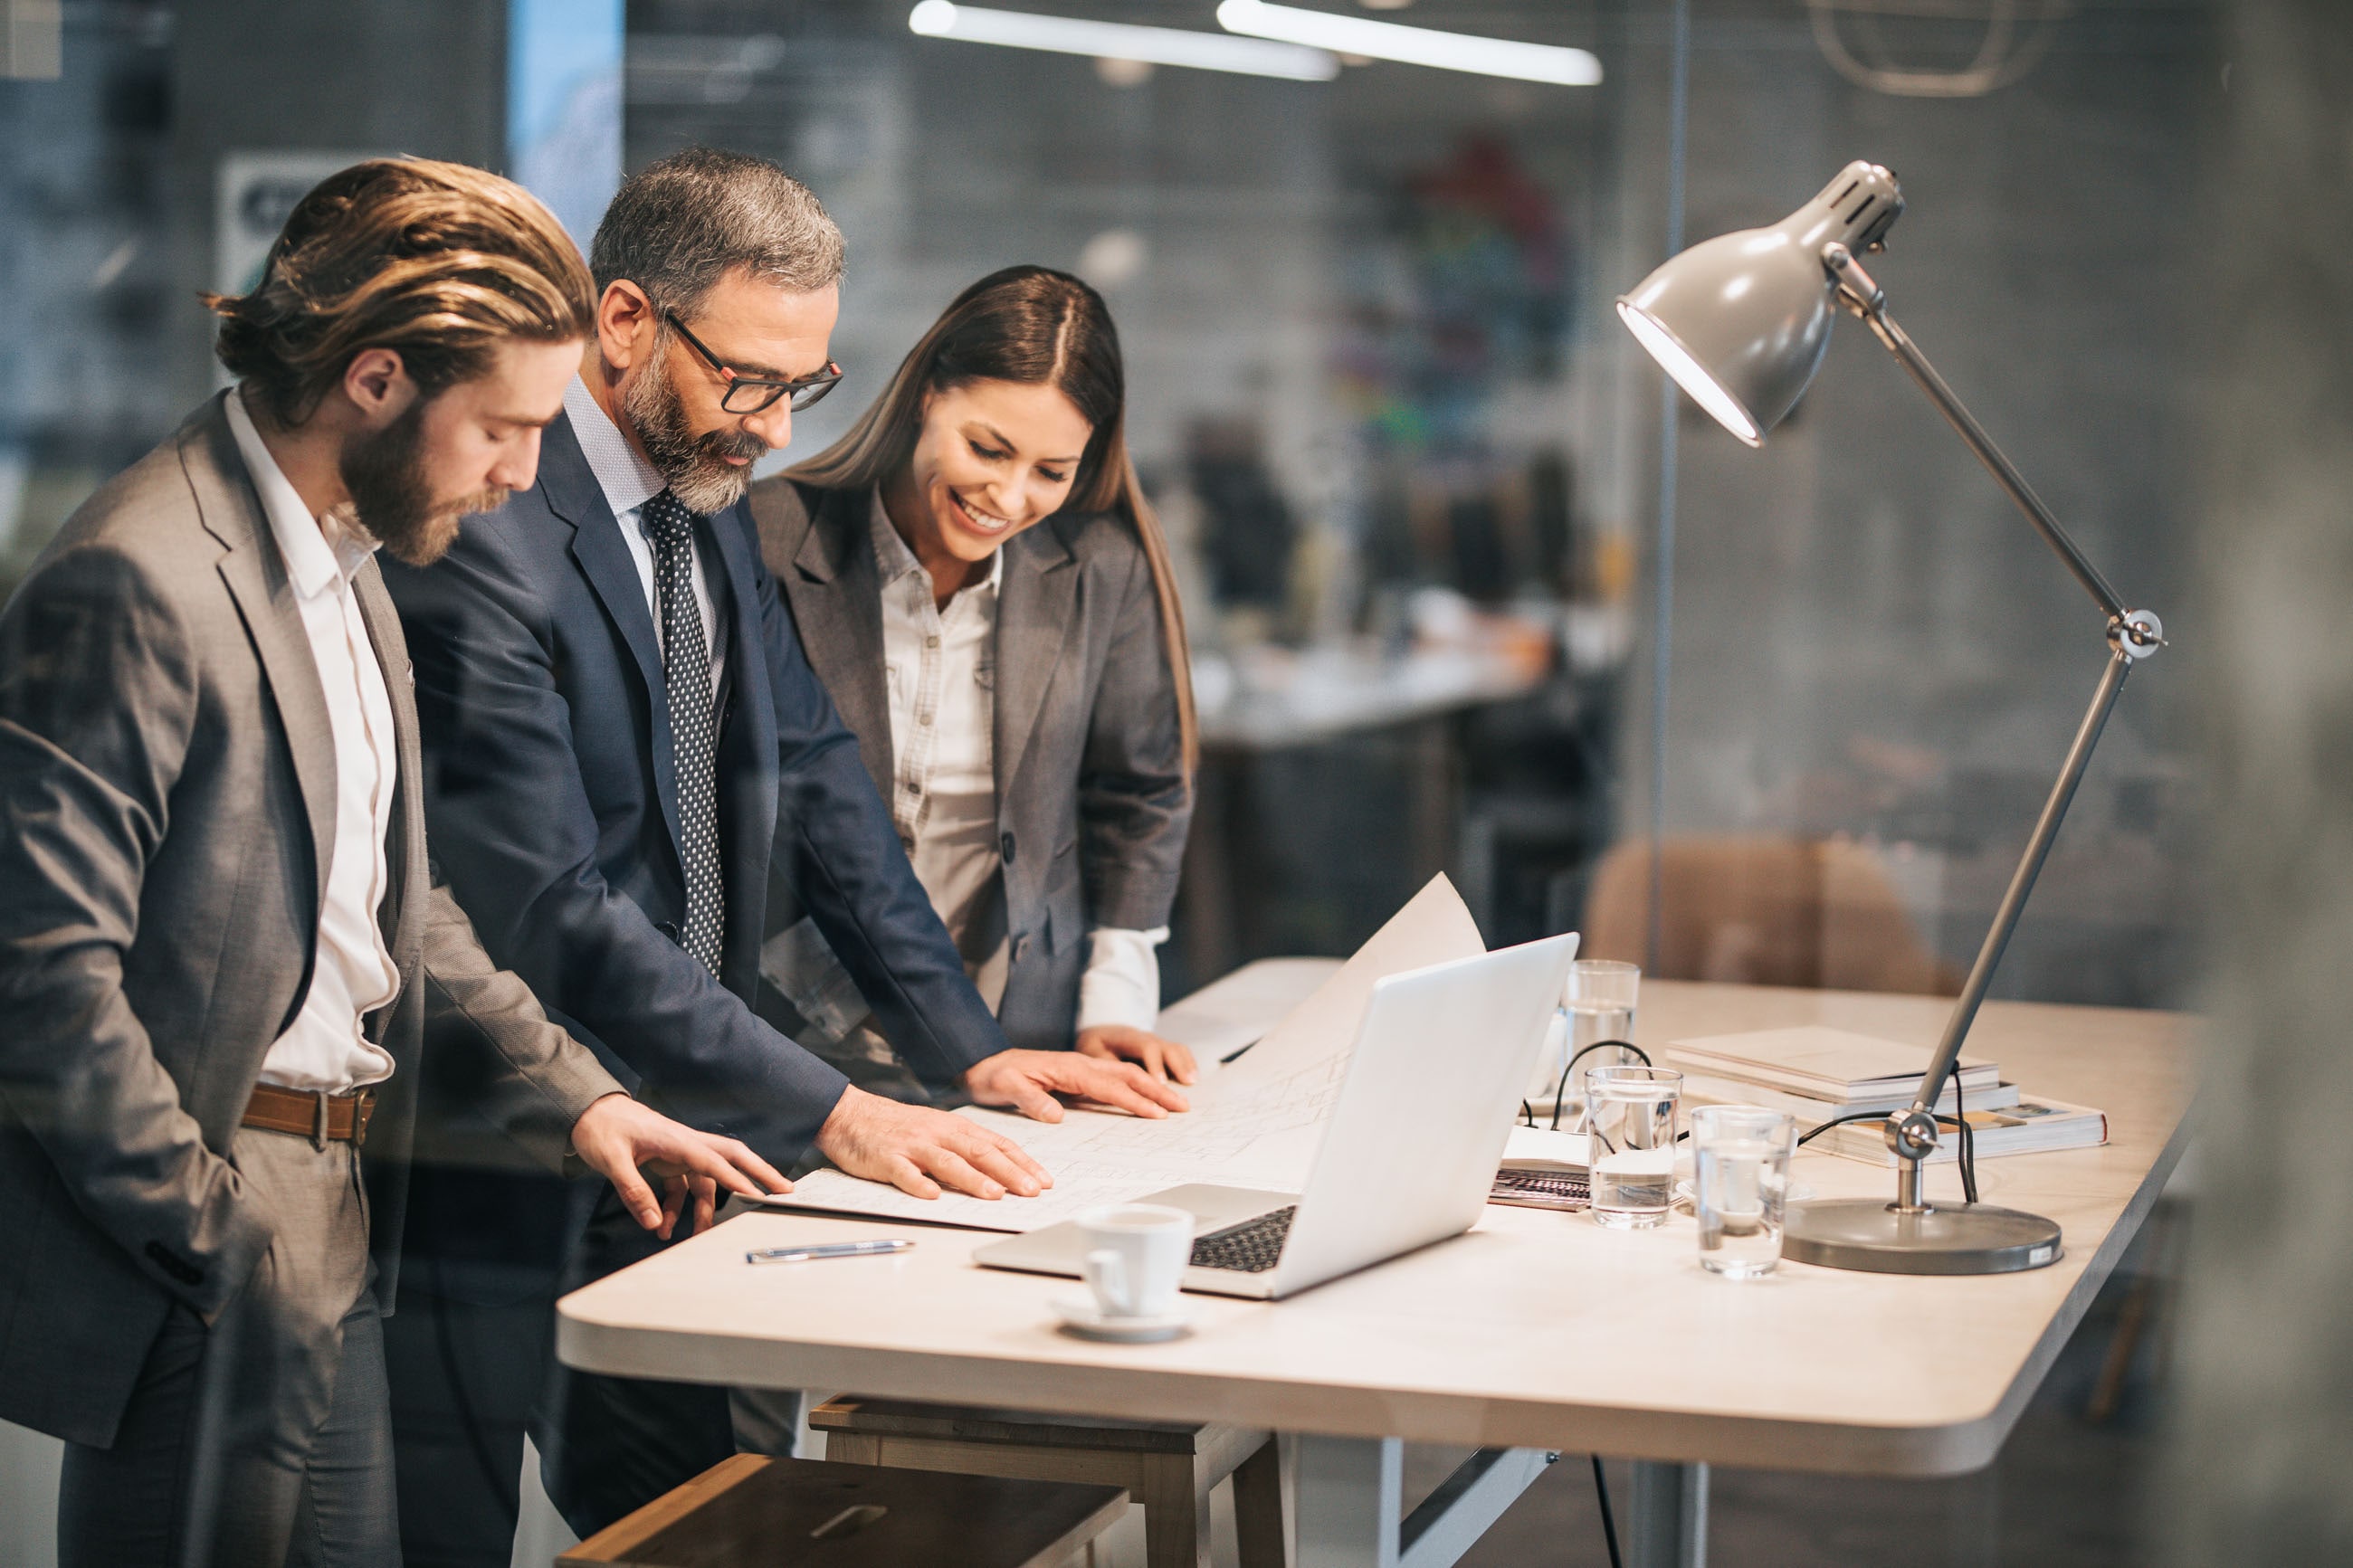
{"type": "Point", "coordinates": [811, 1513]}
{"type": "Point", "coordinates": [1169, 1469]}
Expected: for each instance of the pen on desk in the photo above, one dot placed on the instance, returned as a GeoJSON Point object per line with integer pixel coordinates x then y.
{"type": "Point", "coordinates": [828, 1249]}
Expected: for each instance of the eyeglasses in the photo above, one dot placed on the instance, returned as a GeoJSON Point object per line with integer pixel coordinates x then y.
{"type": "Point", "coordinates": [751, 394]}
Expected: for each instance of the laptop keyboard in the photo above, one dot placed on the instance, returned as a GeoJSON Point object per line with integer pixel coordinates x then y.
{"type": "Point", "coordinates": [1250, 1247]}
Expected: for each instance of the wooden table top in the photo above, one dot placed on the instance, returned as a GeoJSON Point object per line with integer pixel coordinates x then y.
{"type": "Point", "coordinates": [1536, 1329]}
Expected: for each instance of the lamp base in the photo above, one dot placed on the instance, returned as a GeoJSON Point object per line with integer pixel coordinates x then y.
{"type": "Point", "coordinates": [1873, 1237]}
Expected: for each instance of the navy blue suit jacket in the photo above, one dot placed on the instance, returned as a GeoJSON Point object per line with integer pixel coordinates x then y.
{"type": "Point", "coordinates": [552, 805]}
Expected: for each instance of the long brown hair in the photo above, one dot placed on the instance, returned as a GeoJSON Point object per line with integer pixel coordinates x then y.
{"type": "Point", "coordinates": [441, 262]}
{"type": "Point", "coordinates": [1034, 326]}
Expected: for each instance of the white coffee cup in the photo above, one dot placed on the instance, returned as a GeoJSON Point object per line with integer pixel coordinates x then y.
{"type": "Point", "coordinates": [1135, 1257]}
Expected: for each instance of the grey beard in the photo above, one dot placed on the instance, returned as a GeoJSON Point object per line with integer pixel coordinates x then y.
{"type": "Point", "coordinates": [711, 486]}
{"type": "Point", "coordinates": [694, 467]}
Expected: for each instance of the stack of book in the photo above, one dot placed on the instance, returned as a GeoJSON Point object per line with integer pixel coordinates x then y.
{"type": "Point", "coordinates": [1817, 1074]}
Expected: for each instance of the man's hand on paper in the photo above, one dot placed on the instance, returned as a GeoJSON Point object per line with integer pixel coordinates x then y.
{"type": "Point", "coordinates": [625, 1140]}
{"type": "Point", "coordinates": [1028, 1081]}
{"type": "Point", "coordinates": [919, 1151]}
{"type": "Point", "coordinates": [1122, 1042]}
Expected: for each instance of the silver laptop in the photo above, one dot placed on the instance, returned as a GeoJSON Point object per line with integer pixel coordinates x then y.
{"type": "Point", "coordinates": [1441, 1059]}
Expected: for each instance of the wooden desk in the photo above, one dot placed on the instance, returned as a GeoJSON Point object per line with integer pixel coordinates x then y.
{"type": "Point", "coordinates": [1536, 1332]}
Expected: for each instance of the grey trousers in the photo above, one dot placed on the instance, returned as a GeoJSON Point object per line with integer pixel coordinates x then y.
{"type": "Point", "coordinates": [265, 1438]}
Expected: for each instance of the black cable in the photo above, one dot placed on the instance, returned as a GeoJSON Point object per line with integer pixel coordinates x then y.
{"type": "Point", "coordinates": [1969, 1160]}
{"type": "Point", "coordinates": [1609, 1524]}
{"type": "Point", "coordinates": [1560, 1090]}
{"type": "Point", "coordinates": [1805, 1139]}
{"type": "Point", "coordinates": [1968, 1139]}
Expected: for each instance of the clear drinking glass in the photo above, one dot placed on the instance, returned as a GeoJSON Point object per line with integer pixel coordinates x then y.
{"type": "Point", "coordinates": [1601, 994]}
{"type": "Point", "coordinates": [1740, 1177]}
{"type": "Point", "coordinates": [1599, 1004]}
{"type": "Point", "coordinates": [1630, 1114]}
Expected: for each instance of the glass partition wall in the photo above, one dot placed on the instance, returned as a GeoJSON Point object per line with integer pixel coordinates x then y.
{"type": "Point", "coordinates": [1466, 593]}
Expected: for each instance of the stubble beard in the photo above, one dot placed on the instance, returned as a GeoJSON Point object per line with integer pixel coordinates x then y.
{"type": "Point", "coordinates": [695, 467]}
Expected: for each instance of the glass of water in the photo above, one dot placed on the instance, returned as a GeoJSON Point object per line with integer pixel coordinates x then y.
{"type": "Point", "coordinates": [1601, 994]}
{"type": "Point", "coordinates": [1630, 1114]}
{"type": "Point", "coordinates": [1740, 1178]}
{"type": "Point", "coordinates": [1598, 1006]}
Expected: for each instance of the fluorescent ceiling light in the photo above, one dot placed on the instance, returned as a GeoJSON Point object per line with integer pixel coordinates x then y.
{"type": "Point", "coordinates": [1121, 41]}
{"type": "Point", "coordinates": [1414, 46]}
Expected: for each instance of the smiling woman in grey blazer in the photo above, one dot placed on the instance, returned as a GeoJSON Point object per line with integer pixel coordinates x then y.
{"type": "Point", "coordinates": [980, 582]}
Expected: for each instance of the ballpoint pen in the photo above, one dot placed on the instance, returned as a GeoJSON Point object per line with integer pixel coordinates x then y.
{"type": "Point", "coordinates": [828, 1249]}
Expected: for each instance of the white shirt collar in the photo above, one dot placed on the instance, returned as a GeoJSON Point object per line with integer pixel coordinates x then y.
{"type": "Point", "coordinates": [627, 481]}
{"type": "Point", "coordinates": [894, 559]}
{"type": "Point", "coordinates": [321, 553]}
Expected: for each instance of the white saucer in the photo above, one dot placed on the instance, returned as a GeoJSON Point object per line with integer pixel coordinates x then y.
{"type": "Point", "coordinates": [1082, 1317]}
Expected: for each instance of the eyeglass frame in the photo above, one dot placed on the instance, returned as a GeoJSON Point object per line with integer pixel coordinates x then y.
{"type": "Point", "coordinates": [816, 384]}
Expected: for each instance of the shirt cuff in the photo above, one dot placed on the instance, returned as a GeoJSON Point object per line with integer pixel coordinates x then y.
{"type": "Point", "coordinates": [1122, 983]}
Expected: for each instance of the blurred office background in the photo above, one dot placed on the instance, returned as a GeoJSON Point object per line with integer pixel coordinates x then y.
{"type": "Point", "coordinates": [1466, 594]}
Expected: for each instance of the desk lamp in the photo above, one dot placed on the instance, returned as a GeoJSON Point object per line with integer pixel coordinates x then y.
{"type": "Point", "coordinates": [1740, 322]}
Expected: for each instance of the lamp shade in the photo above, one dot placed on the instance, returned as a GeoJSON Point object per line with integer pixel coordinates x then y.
{"type": "Point", "coordinates": [1741, 321]}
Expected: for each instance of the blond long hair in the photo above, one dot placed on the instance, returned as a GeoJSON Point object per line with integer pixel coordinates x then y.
{"type": "Point", "coordinates": [441, 262]}
{"type": "Point", "coordinates": [1034, 326]}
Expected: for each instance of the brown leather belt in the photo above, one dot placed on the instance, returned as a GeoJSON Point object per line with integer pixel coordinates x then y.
{"type": "Point", "coordinates": [323, 1118]}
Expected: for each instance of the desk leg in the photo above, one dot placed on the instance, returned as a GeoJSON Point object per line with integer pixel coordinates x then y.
{"type": "Point", "coordinates": [1351, 1496]}
{"type": "Point", "coordinates": [1667, 1521]}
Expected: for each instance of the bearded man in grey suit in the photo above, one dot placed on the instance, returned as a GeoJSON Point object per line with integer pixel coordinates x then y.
{"type": "Point", "coordinates": [221, 949]}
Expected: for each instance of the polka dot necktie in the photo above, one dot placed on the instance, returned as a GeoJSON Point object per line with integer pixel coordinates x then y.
{"type": "Point", "coordinates": [686, 671]}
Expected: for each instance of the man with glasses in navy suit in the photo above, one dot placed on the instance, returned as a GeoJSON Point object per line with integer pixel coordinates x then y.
{"type": "Point", "coordinates": [629, 756]}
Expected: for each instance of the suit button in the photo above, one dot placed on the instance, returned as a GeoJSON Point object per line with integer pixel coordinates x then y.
{"type": "Point", "coordinates": [669, 928]}
{"type": "Point", "coordinates": [1005, 844]}
{"type": "Point", "coordinates": [1021, 947]}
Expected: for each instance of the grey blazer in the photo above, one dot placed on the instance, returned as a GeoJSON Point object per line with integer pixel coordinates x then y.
{"type": "Point", "coordinates": [166, 780]}
{"type": "Point", "coordinates": [1091, 802]}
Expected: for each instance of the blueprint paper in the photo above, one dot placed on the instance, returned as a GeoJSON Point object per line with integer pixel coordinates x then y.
{"type": "Point", "coordinates": [1254, 1124]}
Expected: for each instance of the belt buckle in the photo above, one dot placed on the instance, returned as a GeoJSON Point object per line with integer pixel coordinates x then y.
{"type": "Point", "coordinates": [362, 1108]}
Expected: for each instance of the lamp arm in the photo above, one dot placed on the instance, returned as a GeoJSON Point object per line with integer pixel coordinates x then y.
{"type": "Point", "coordinates": [1917, 1125]}
{"type": "Point", "coordinates": [2133, 636]}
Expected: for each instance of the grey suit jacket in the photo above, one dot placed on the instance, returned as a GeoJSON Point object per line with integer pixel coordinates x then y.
{"type": "Point", "coordinates": [167, 793]}
{"type": "Point", "coordinates": [1091, 802]}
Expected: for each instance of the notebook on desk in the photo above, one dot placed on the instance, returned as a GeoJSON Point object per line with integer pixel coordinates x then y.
{"type": "Point", "coordinates": [1441, 1057]}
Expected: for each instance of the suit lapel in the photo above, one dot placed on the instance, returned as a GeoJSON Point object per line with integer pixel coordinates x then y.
{"type": "Point", "coordinates": [254, 572]}
{"type": "Point", "coordinates": [1034, 610]}
{"type": "Point", "coordinates": [837, 603]}
{"type": "Point", "coordinates": [574, 495]}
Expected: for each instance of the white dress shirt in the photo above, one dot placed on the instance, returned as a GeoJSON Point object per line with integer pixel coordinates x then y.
{"type": "Point", "coordinates": [628, 482]}
{"type": "Point", "coordinates": [941, 671]}
{"type": "Point", "coordinates": [326, 1048]}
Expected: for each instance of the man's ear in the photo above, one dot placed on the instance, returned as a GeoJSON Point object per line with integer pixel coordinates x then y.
{"type": "Point", "coordinates": [626, 320]}
{"type": "Point", "coordinates": [377, 382]}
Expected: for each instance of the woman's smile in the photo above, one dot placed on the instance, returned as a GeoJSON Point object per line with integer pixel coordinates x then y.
{"type": "Point", "coordinates": [973, 518]}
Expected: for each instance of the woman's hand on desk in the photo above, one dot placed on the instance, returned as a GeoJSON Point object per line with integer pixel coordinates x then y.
{"type": "Point", "coordinates": [1162, 1059]}
{"type": "Point", "coordinates": [1029, 1081]}
{"type": "Point", "coordinates": [919, 1151]}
